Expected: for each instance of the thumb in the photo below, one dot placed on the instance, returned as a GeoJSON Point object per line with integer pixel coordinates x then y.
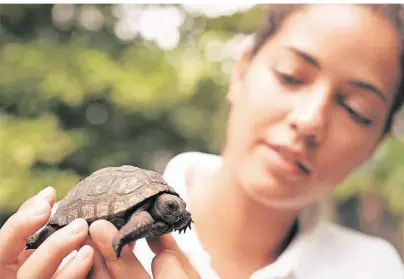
{"type": "Point", "coordinates": [48, 194]}
{"type": "Point", "coordinates": [161, 243]}
{"type": "Point", "coordinates": [166, 266]}
{"type": "Point", "coordinates": [167, 242]}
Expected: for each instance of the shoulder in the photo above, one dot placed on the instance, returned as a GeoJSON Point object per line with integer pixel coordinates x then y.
{"type": "Point", "coordinates": [179, 163]}
{"type": "Point", "coordinates": [356, 253]}
{"type": "Point", "coordinates": [178, 167]}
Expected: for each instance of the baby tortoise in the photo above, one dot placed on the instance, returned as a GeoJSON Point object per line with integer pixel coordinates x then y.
{"type": "Point", "coordinates": [138, 202]}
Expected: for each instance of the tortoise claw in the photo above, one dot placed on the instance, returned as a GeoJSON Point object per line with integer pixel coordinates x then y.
{"type": "Point", "coordinates": [118, 250]}
{"type": "Point", "coordinates": [184, 229]}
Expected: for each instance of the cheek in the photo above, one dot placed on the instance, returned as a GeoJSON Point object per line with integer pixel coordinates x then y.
{"type": "Point", "coordinates": [264, 94]}
{"type": "Point", "coordinates": [259, 104]}
{"type": "Point", "coordinates": [158, 210]}
{"type": "Point", "coordinates": [340, 156]}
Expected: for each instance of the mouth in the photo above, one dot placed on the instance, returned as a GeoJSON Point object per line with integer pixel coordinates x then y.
{"type": "Point", "coordinates": [303, 168]}
{"type": "Point", "coordinates": [293, 160]}
{"type": "Point", "coordinates": [171, 218]}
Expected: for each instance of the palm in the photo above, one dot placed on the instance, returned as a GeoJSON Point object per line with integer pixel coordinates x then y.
{"type": "Point", "coordinates": [11, 269]}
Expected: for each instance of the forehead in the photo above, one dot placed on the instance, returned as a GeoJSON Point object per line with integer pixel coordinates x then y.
{"type": "Point", "coordinates": [346, 39]}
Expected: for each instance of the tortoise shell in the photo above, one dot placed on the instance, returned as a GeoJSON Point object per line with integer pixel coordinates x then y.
{"type": "Point", "coordinates": [108, 192]}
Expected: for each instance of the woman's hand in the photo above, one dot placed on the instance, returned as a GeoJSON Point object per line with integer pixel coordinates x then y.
{"type": "Point", "coordinates": [169, 262]}
{"type": "Point", "coordinates": [16, 262]}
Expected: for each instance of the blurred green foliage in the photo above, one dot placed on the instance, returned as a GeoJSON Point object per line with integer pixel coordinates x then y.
{"type": "Point", "coordinates": [382, 175]}
{"type": "Point", "coordinates": [76, 97]}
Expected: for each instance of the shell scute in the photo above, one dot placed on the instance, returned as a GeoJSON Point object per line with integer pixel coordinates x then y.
{"type": "Point", "coordinates": [129, 184]}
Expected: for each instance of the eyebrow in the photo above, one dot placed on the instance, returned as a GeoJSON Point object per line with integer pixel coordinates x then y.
{"type": "Point", "coordinates": [310, 59]}
{"type": "Point", "coordinates": [370, 88]}
{"type": "Point", "coordinates": [357, 83]}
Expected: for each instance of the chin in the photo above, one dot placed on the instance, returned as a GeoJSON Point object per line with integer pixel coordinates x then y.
{"type": "Point", "coordinates": [269, 191]}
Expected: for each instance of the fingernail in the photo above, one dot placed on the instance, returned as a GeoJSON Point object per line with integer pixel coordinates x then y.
{"type": "Point", "coordinates": [171, 257]}
{"type": "Point", "coordinates": [100, 230]}
{"type": "Point", "coordinates": [40, 208]}
{"type": "Point", "coordinates": [78, 226]}
{"type": "Point", "coordinates": [85, 251]}
{"type": "Point", "coordinates": [45, 193]}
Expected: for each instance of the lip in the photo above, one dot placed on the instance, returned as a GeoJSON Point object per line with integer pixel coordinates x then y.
{"type": "Point", "coordinates": [289, 160]}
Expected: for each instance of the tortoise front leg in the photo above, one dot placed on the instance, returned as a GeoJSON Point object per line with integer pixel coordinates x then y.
{"type": "Point", "coordinates": [138, 225]}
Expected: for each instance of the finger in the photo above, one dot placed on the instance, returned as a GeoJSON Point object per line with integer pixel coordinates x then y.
{"type": "Point", "coordinates": [24, 255]}
{"type": "Point", "coordinates": [99, 269]}
{"type": "Point", "coordinates": [166, 266]}
{"type": "Point", "coordinates": [21, 225]}
{"type": "Point", "coordinates": [48, 194]}
{"type": "Point", "coordinates": [167, 242]}
{"type": "Point", "coordinates": [44, 262]}
{"type": "Point", "coordinates": [102, 232]}
{"type": "Point", "coordinates": [79, 266]}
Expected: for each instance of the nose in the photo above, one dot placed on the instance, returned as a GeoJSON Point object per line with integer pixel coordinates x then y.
{"type": "Point", "coordinates": [309, 119]}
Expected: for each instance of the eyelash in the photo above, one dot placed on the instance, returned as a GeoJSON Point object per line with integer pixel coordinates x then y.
{"type": "Point", "coordinates": [288, 79]}
{"type": "Point", "coordinates": [355, 115]}
{"type": "Point", "coordinates": [291, 80]}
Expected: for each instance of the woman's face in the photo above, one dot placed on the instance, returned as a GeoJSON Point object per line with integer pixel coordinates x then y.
{"type": "Point", "coordinates": [310, 107]}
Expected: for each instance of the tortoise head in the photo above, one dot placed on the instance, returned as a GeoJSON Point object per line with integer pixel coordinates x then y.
{"type": "Point", "coordinates": [169, 208]}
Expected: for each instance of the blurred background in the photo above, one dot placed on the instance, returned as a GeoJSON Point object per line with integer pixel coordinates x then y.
{"type": "Point", "coordinates": [88, 86]}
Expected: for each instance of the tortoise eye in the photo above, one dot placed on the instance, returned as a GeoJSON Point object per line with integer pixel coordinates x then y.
{"type": "Point", "coordinates": [171, 205]}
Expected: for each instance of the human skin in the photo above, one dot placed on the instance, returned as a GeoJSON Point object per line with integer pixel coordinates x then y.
{"type": "Point", "coordinates": [319, 111]}
{"type": "Point", "coordinates": [15, 262]}
{"type": "Point", "coordinates": [95, 257]}
{"type": "Point", "coordinates": [321, 114]}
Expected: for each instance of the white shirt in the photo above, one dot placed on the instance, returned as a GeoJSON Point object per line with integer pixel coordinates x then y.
{"type": "Point", "coordinates": [321, 250]}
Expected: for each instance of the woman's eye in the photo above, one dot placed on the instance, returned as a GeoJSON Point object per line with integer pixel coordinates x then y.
{"type": "Point", "coordinates": [288, 79]}
{"type": "Point", "coordinates": [356, 116]}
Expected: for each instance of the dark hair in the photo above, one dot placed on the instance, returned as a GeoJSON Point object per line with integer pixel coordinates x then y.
{"type": "Point", "coordinates": [277, 13]}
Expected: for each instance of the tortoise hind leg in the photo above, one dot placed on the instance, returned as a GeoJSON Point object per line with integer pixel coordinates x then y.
{"type": "Point", "coordinates": [38, 238]}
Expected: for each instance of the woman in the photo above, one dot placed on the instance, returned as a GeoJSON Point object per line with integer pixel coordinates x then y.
{"type": "Point", "coordinates": [309, 103]}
